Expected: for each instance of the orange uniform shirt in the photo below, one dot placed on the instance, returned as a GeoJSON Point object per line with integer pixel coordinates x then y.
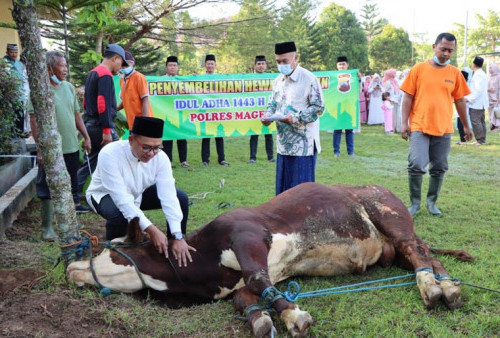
{"type": "Point", "coordinates": [434, 91]}
{"type": "Point", "coordinates": [133, 90]}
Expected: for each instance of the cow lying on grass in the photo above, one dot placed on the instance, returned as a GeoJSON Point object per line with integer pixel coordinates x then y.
{"type": "Point", "coordinates": [310, 230]}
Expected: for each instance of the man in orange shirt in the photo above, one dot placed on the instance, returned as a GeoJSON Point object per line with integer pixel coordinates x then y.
{"type": "Point", "coordinates": [430, 89]}
{"type": "Point", "coordinates": [134, 92]}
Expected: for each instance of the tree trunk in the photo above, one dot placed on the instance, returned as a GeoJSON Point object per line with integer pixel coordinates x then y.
{"type": "Point", "coordinates": [66, 42]}
{"type": "Point", "coordinates": [26, 17]}
{"type": "Point", "coordinates": [98, 44]}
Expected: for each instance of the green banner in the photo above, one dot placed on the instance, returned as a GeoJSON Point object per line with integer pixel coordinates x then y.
{"type": "Point", "coordinates": [220, 105]}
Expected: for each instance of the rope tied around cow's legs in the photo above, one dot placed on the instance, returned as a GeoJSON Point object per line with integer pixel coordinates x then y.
{"type": "Point", "coordinates": [271, 294]}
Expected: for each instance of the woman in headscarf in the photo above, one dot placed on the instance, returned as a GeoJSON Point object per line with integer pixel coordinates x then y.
{"type": "Point", "coordinates": [376, 115]}
{"type": "Point", "coordinates": [362, 102]}
{"type": "Point", "coordinates": [366, 85]}
{"type": "Point", "coordinates": [467, 74]}
{"type": "Point", "coordinates": [389, 84]}
{"type": "Point", "coordinates": [493, 95]}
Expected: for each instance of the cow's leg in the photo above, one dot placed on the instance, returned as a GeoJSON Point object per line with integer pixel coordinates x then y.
{"type": "Point", "coordinates": [260, 321]}
{"type": "Point", "coordinates": [251, 250]}
{"type": "Point", "coordinates": [415, 254]}
{"type": "Point", "coordinates": [451, 289]}
{"type": "Point", "coordinates": [392, 219]}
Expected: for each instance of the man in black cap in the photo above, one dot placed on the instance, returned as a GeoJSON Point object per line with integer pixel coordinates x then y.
{"type": "Point", "coordinates": [17, 68]}
{"type": "Point", "coordinates": [478, 101]}
{"type": "Point", "coordinates": [100, 106]}
{"type": "Point", "coordinates": [343, 64]}
{"type": "Point", "coordinates": [295, 104]}
{"type": "Point", "coordinates": [134, 175]}
{"type": "Point", "coordinates": [219, 141]}
{"type": "Point", "coordinates": [172, 68]}
{"type": "Point", "coordinates": [260, 66]}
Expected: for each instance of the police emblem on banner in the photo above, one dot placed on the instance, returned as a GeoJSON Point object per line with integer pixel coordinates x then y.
{"type": "Point", "coordinates": [344, 83]}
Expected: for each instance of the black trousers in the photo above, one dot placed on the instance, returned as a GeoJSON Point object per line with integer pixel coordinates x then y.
{"type": "Point", "coordinates": [181, 148]}
{"type": "Point", "coordinates": [72, 161]}
{"type": "Point", "coordinates": [254, 139]}
{"type": "Point", "coordinates": [205, 149]}
{"type": "Point", "coordinates": [461, 131]}
{"type": "Point", "coordinates": [116, 224]}
{"type": "Point", "coordinates": [95, 134]}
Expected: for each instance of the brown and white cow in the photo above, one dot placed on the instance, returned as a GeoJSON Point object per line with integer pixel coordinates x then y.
{"type": "Point", "coordinates": [310, 230]}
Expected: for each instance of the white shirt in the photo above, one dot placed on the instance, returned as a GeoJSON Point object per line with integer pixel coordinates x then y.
{"type": "Point", "coordinates": [124, 178]}
{"type": "Point", "coordinates": [302, 92]}
{"type": "Point", "coordinates": [478, 98]}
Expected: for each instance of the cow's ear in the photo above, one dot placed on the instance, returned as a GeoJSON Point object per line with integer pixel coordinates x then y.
{"type": "Point", "coordinates": [134, 232]}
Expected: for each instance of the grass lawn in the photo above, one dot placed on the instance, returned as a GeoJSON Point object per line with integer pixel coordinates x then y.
{"type": "Point", "coordinates": [470, 201]}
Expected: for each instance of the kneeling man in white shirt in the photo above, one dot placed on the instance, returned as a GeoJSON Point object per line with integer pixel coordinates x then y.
{"type": "Point", "coordinates": [135, 175]}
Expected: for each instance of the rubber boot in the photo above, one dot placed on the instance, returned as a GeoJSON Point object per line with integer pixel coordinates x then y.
{"type": "Point", "coordinates": [46, 213]}
{"type": "Point", "coordinates": [415, 185]}
{"type": "Point", "coordinates": [432, 195]}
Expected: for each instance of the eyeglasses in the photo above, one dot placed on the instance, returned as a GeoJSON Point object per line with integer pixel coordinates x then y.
{"type": "Point", "coordinates": [147, 149]}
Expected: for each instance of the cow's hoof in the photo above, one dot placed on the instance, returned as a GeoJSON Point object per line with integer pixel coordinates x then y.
{"type": "Point", "coordinates": [429, 290]}
{"type": "Point", "coordinates": [297, 321]}
{"type": "Point", "coordinates": [431, 296]}
{"type": "Point", "coordinates": [263, 326]}
{"type": "Point", "coordinates": [451, 294]}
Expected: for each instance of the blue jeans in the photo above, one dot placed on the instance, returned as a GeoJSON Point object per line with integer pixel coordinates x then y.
{"type": "Point", "coordinates": [349, 140]}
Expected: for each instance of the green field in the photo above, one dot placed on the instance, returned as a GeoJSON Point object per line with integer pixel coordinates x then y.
{"type": "Point", "coordinates": [470, 201]}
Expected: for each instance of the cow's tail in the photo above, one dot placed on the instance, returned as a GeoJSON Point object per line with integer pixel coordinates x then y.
{"type": "Point", "coordinates": [461, 255]}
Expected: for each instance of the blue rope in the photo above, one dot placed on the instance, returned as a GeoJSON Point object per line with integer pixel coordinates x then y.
{"type": "Point", "coordinates": [293, 290]}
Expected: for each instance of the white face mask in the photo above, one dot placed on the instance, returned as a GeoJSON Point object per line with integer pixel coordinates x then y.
{"type": "Point", "coordinates": [285, 69]}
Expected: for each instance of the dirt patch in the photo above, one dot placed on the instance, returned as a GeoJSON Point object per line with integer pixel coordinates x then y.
{"type": "Point", "coordinates": [54, 315]}
{"type": "Point", "coordinates": [16, 280]}
{"type": "Point", "coordinates": [47, 309]}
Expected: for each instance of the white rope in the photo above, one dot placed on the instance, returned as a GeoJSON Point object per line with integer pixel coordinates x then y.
{"type": "Point", "coordinates": [201, 195]}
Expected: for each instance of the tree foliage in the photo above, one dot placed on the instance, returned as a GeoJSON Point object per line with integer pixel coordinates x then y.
{"type": "Point", "coordinates": [390, 49]}
{"type": "Point", "coordinates": [255, 35]}
{"type": "Point", "coordinates": [342, 34]}
{"type": "Point", "coordinates": [10, 102]}
{"type": "Point", "coordinates": [372, 24]}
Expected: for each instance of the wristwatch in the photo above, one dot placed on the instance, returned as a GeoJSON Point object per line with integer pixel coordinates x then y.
{"type": "Point", "coordinates": [178, 235]}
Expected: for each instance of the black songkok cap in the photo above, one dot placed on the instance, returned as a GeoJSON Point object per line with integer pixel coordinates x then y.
{"type": "Point", "coordinates": [172, 59]}
{"type": "Point", "coordinates": [12, 46]}
{"type": "Point", "coordinates": [478, 61]}
{"type": "Point", "coordinates": [260, 58]}
{"type": "Point", "coordinates": [284, 47]}
{"type": "Point", "coordinates": [210, 57]}
{"type": "Point", "coordinates": [148, 126]}
{"type": "Point", "coordinates": [342, 59]}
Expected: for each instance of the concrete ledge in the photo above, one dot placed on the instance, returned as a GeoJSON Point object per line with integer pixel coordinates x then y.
{"type": "Point", "coordinates": [16, 199]}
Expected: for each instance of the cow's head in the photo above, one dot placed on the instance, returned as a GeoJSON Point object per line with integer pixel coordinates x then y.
{"type": "Point", "coordinates": [115, 271]}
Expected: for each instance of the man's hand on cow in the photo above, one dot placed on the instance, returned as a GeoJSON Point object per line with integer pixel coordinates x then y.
{"type": "Point", "coordinates": [158, 238]}
{"type": "Point", "coordinates": [181, 249]}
